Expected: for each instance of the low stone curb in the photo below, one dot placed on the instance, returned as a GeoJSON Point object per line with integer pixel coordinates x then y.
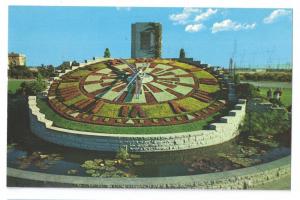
{"type": "Point", "coordinates": [234, 179]}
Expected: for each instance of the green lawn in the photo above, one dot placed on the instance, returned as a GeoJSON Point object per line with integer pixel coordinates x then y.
{"type": "Point", "coordinates": [64, 123]}
{"type": "Point", "coordinates": [192, 104]}
{"type": "Point", "coordinates": [264, 86]}
{"type": "Point", "coordinates": [109, 110]}
{"type": "Point", "coordinates": [270, 84]}
{"type": "Point", "coordinates": [14, 84]}
{"type": "Point", "coordinates": [74, 100]}
{"type": "Point", "coordinates": [68, 84]}
{"type": "Point", "coordinates": [183, 65]}
{"type": "Point", "coordinates": [286, 97]}
{"type": "Point", "coordinates": [158, 110]}
{"type": "Point", "coordinates": [80, 72]}
{"type": "Point", "coordinates": [281, 184]}
{"type": "Point", "coordinates": [209, 88]}
{"type": "Point", "coordinates": [203, 74]}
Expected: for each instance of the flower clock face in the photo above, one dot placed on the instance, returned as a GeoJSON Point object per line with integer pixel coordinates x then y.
{"type": "Point", "coordinates": [136, 92]}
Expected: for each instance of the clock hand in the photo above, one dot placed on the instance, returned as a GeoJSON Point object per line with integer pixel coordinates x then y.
{"type": "Point", "coordinates": [139, 82]}
{"type": "Point", "coordinates": [138, 86]}
{"type": "Point", "coordinates": [144, 71]}
{"type": "Point", "coordinates": [130, 82]}
{"type": "Point", "coordinates": [106, 89]}
{"type": "Point", "coordinates": [116, 70]}
{"type": "Point", "coordinates": [132, 67]}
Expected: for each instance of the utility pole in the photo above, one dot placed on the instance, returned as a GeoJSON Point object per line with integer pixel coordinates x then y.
{"type": "Point", "coordinates": [231, 76]}
{"type": "Point", "coordinates": [232, 61]}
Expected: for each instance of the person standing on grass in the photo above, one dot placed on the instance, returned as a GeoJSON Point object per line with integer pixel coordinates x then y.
{"type": "Point", "coordinates": [269, 94]}
{"type": "Point", "coordinates": [277, 94]}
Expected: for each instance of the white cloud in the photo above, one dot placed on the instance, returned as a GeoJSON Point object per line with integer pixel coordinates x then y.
{"type": "Point", "coordinates": [191, 28]}
{"type": "Point", "coordinates": [205, 15]}
{"type": "Point", "coordinates": [275, 15]}
{"type": "Point", "coordinates": [191, 10]}
{"type": "Point", "coordinates": [192, 18]}
{"type": "Point", "coordinates": [229, 25]}
{"type": "Point", "coordinates": [181, 18]}
{"type": "Point", "coordinates": [123, 8]}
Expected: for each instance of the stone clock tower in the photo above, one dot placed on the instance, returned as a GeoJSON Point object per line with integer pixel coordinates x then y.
{"type": "Point", "coordinates": [146, 40]}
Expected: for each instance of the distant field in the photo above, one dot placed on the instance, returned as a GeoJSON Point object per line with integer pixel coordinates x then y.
{"type": "Point", "coordinates": [286, 97]}
{"type": "Point", "coordinates": [270, 84]}
{"type": "Point", "coordinates": [264, 86]}
{"type": "Point", "coordinates": [14, 84]}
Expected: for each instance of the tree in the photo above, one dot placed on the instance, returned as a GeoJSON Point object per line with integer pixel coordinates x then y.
{"type": "Point", "coordinates": [182, 54]}
{"type": "Point", "coordinates": [32, 87]}
{"type": "Point", "coordinates": [106, 53]}
{"type": "Point", "coordinates": [46, 71]}
{"type": "Point", "coordinates": [246, 91]}
{"type": "Point", "coordinates": [75, 63]}
{"type": "Point", "coordinates": [267, 123]}
{"type": "Point", "coordinates": [19, 72]}
{"type": "Point", "coordinates": [237, 79]}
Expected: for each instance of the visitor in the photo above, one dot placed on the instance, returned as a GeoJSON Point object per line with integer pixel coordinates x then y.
{"type": "Point", "coordinates": [277, 94]}
{"type": "Point", "coordinates": [269, 94]}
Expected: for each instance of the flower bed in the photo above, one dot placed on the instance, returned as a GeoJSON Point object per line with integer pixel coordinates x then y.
{"type": "Point", "coordinates": [208, 81]}
{"type": "Point", "coordinates": [89, 94]}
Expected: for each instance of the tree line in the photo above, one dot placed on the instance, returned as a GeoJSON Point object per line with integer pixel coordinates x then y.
{"type": "Point", "coordinates": [268, 76]}
{"type": "Point", "coordinates": [46, 71]}
{"type": "Point", "coordinates": [23, 72]}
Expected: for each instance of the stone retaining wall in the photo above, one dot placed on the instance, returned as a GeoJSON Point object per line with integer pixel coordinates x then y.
{"type": "Point", "coordinates": [220, 132]}
{"type": "Point", "coordinates": [234, 179]}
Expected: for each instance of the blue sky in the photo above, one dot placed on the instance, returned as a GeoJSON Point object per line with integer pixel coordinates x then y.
{"type": "Point", "coordinates": [51, 35]}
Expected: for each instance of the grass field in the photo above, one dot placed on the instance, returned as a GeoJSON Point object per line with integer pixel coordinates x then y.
{"type": "Point", "coordinates": [14, 84]}
{"type": "Point", "coordinates": [97, 66]}
{"type": "Point", "coordinates": [203, 74]}
{"type": "Point", "coordinates": [65, 85]}
{"type": "Point", "coordinates": [75, 99]}
{"type": "Point", "coordinates": [192, 104]}
{"type": "Point", "coordinates": [161, 61]}
{"type": "Point", "coordinates": [183, 65]}
{"type": "Point", "coordinates": [81, 72]}
{"type": "Point", "coordinates": [209, 88]}
{"type": "Point", "coordinates": [158, 110]}
{"type": "Point", "coordinates": [65, 123]}
{"type": "Point", "coordinates": [109, 110]}
{"type": "Point", "coordinates": [286, 97]}
{"type": "Point", "coordinates": [264, 86]}
{"type": "Point", "coordinates": [270, 84]}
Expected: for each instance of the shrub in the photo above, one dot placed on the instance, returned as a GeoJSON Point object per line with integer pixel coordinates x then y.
{"type": "Point", "coordinates": [182, 54]}
{"type": "Point", "coordinates": [266, 123]}
{"type": "Point", "coordinates": [106, 53]}
{"type": "Point", "coordinates": [268, 76]}
{"type": "Point", "coordinates": [32, 88]}
{"type": "Point", "coordinates": [20, 72]}
{"type": "Point", "coordinates": [276, 102]}
{"type": "Point", "coordinates": [122, 153]}
{"type": "Point", "coordinates": [246, 91]}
